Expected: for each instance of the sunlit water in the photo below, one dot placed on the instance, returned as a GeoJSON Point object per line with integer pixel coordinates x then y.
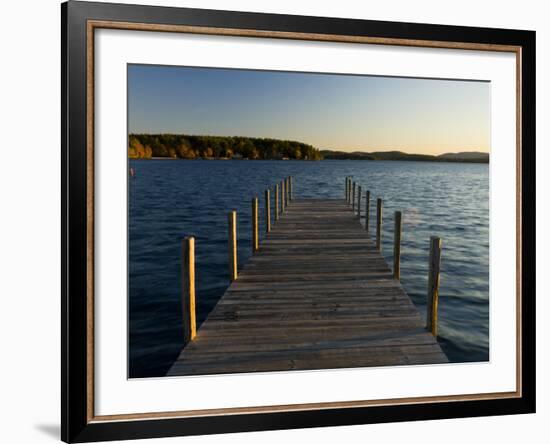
{"type": "Point", "coordinates": [169, 199]}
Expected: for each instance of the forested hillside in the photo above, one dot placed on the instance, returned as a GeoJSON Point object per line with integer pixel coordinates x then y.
{"type": "Point", "coordinates": [215, 147]}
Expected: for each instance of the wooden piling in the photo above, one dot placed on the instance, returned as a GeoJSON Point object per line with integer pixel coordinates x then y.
{"type": "Point", "coordinates": [379, 224]}
{"type": "Point", "coordinates": [267, 212]}
{"type": "Point", "coordinates": [367, 210]}
{"type": "Point", "coordinates": [276, 202]}
{"type": "Point", "coordinates": [346, 197]}
{"type": "Point", "coordinates": [359, 202]}
{"type": "Point", "coordinates": [290, 188]}
{"type": "Point", "coordinates": [232, 245]}
{"type": "Point", "coordinates": [283, 192]}
{"type": "Point", "coordinates": [397, 246]}
{"type": "Point", "coordinates": [353, 197]}
{"type": "Point", "coordinates": [433, 284]}
{"type": "Point", "coordinates": [255, 241]}
{"type": "Point", "coordinates": [287, 187]}
{"type": "Point", "coordinates": [188, 289]}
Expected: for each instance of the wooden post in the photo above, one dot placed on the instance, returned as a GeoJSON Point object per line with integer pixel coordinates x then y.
{"type": "Point", "coordinates": [397, 246]}
{"type": "Point", "coordinates": [379, 224]}
{"type": "Point", "coordinates": [367, 210]}
{"type": "Point", "coordinates": [359, 202]}
{"type": "Point", "coordinates": [353, 198]}
{"type": "Point", "coordinates": [255, 243]}
{"type": "Point", "coordinates": [290, 187]}
{"type": "Point", "coordinates": [232, 245]}
{"type": "Point", "coordinates": [287, 195]}
{"type": "Point", "coordinates": [276, 202]}
{"type": "Point", "coordinates": [346, 189]}
{"type": "Point", "coordinates": [348, 197]}
{"type": "Point", "coordinates": [433, 284]}
{"type": "Point", "coordinates": [267, 212]}
{"type": "Point", "coordinates": [282, 196]}
{"type": "Point", "coordinates": [188, 289]}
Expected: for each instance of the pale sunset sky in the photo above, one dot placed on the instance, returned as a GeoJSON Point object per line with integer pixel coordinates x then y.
{"type": "Point", "coordinates": [328, 111]}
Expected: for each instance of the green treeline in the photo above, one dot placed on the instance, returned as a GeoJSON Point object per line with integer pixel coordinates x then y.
{"type": "Point", "coordinates": [182, 146]}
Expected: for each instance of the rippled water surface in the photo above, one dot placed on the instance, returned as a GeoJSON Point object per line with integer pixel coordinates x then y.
{"type": "Point", "coordinates": [169, 199]}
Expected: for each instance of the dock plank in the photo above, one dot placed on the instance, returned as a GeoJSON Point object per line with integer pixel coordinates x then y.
{"type": "Point", "coordinates": [317, 295]}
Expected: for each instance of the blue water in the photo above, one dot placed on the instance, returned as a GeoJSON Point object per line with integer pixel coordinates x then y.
{"type": "Point", "coordinates": [170, 199]}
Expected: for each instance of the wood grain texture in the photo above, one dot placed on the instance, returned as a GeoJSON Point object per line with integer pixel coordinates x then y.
{"type": "Point", "coordinates": [258, 33]}
{"type": "Point", "coordinates": [317, 295]}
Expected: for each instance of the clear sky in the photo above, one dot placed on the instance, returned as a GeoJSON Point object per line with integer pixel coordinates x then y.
{"type": "Point", "coordinates": [328, 111]}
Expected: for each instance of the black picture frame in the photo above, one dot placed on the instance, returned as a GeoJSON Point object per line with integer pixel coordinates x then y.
{"type": "Point", "coordinates": [76, 423]}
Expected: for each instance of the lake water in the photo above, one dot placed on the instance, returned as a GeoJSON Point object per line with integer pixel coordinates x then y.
{"type": "Point", "coordinates": [169, 199]}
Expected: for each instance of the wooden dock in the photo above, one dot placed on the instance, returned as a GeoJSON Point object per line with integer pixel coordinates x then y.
{"type": "Point", "coordinates": [317, 295]}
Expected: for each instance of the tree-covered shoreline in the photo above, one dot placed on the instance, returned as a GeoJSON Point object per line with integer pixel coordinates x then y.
{"type": "Point", "coordinates": [183, 146]}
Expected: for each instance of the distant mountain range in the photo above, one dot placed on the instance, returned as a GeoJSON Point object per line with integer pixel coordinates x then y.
{"type": "Point", "coordinates": [467, 156]}
{"type": "Point", "coordinates": [473, 156]}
